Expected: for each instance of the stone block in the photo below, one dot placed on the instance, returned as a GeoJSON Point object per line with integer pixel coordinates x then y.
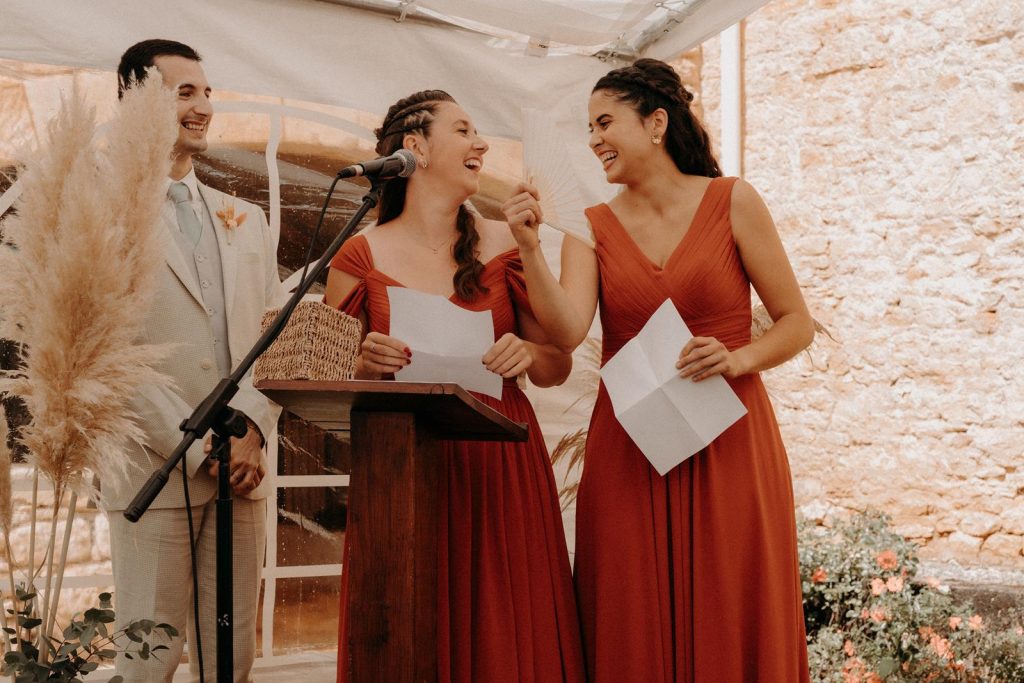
{"type": "Point", "coordinates": [980, 524]}
{"type": "Point", "coordinates": [79, 546]}
{"type": "Point", "coordinates": [915, 531]}
{"type": "Point", "coordinates": [957, 545]}
{"type": "Point", "coordinates": [1012, 520]}
{"type": "Point", "coordinates": [101, 539]}
{"type": "Point", "coordinates": [1007, 546]}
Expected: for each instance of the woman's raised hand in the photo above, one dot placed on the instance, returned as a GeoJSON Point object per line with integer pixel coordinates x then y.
{"type": "Point", "coordinates": [509, 357]}
{"type": "Point", "coordinates": [381, 354]}
{"type": "Point", "coordinates": [522, 211]}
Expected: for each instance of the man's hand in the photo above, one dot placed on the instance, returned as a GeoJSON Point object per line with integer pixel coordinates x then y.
{"type": "Point", "coordinates": [246, 470]}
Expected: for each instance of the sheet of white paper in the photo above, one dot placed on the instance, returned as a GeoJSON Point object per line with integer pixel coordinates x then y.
{"type": "Point", "coordinates": [668, 417]}
{"type": "Point", "coordinates": [446, 340]}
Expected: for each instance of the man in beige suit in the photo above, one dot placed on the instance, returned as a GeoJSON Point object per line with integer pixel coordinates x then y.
{"type": "Point", "coordinates": [220, 275]}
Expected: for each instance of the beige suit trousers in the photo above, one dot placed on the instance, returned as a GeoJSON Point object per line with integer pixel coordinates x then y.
{"type": "Point", "coordinates": [153, 572]}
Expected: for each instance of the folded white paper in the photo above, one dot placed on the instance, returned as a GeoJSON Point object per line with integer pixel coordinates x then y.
{"type": "Point", "coordinates": [668, 417]}
{"type": "Point", "coordinates": [447, 341]}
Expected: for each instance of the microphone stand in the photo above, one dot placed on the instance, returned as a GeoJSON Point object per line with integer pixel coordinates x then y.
{"type": "Point", "coordinates": [226, 422]}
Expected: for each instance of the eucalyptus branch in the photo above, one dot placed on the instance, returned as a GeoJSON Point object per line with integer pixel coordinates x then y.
{"type": "Point", "coordinates": [85, 643]}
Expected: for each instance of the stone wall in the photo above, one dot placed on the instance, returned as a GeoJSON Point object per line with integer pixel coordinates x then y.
{"type": "Point", "coordinates": [88, 555]}
{"type": "Point", "coordinates": [887, 139]}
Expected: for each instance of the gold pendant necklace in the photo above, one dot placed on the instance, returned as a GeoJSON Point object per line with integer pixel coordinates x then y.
{"type": "Point", "coordinates": [438, 247]}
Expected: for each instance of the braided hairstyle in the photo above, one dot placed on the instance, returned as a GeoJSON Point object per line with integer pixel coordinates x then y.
{"type": "Point", "coordinates": [415, 114]}
{"type": "Point", "coordinates": [651, 84]}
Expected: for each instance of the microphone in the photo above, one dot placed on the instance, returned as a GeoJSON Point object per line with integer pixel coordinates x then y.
{"type": "Point", "coordinates": [401, 164]}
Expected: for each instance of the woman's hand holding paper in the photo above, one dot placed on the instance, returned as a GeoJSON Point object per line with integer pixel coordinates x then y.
{"type": "Point", "coordinates": [381, 354]}
{"type": "Point", "coordinates": [703, 357]}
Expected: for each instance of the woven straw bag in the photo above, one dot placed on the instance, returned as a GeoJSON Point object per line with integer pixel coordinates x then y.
{"type": "Point", "coordinates": [317, 343]}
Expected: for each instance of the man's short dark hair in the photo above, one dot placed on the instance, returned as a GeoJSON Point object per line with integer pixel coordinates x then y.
{"type": "Point", "coordinates": [140, 56]}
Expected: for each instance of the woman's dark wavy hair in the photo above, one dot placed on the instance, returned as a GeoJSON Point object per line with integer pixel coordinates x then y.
{"type": "Point", "coordinates": [650, 84]}
{"type": "Point", "coordinates": [415, 114]}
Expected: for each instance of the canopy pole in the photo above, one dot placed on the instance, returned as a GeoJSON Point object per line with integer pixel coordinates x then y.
{"type": "Point", "coordinates": [733, 103]}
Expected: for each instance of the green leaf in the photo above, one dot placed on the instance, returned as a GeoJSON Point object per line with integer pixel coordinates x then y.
{"type": "Point", "coordinates": [116, 679]}
{"type": "Point", "coordinates": [887, 666]}
{"type": "Point", "coordinates": [169, 630]}
{"type": "Point", "coordinates": [29, 623]}
{"type": "Point", "coordinates": [87, 635]}
{"type": "Point", "coordinates": [88, 667]}
{"type": "Point", "coordinates": [30, 650]}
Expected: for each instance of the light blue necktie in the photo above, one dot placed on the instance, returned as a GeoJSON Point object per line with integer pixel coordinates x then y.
{"type": "Point", "coordinates": [187, 221]}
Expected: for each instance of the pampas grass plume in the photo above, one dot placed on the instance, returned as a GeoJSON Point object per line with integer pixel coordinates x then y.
{"type": "Point", "coordinates": [87, 241]}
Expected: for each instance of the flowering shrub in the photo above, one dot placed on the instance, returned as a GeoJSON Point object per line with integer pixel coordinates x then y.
{"type": "Point", "coordinates": [870, 618]}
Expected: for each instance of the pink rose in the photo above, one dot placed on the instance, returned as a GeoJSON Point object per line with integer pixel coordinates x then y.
{"type": "Point", "coordinates": [887, 559]}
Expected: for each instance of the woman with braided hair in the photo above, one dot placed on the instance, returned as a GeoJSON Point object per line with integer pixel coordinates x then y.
{"type": "Point", "coordinates": [692, 576]}
{"type": "Point", "coordinates": [506, 607]}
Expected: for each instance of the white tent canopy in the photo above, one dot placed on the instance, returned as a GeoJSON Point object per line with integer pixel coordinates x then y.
{"type": "Point", "coordinates": [495, 56]}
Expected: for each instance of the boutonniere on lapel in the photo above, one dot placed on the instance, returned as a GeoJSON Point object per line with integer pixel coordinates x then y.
{"type": "Point", "coordinates": [228, 220]}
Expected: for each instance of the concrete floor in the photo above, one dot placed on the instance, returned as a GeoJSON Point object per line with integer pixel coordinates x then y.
{"type": "Point", "coordinates": [309, 667]}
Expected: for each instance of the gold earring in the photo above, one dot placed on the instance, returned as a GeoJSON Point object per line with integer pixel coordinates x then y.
{"type": "Point", "coordinates": [423, 163]}
{"type": "Point", "coordinates": [656, 139]}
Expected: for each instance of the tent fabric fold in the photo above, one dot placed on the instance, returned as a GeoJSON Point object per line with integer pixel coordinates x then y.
{"type": "Point", "coordinates": [494, 56]}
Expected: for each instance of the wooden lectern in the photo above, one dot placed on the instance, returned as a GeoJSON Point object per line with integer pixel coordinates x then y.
{"type": "Point", "coordinates": [396, 430]}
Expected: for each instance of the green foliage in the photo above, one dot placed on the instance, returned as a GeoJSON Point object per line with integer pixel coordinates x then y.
{"type": "Point", "coordinates": [870, 618]}
{"type": "Point", "coordinates": [86, 642]}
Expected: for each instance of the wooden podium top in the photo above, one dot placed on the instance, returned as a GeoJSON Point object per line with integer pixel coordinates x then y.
{"type": "Point", "coordinates": [447, 410]}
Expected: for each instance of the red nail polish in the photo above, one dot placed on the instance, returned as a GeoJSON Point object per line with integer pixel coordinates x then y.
{"type": "Point", "coordinates": [408, 353]}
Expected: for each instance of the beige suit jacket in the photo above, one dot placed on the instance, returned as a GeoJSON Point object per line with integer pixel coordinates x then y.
{"type": "Point", "coordinates": [178, 317]}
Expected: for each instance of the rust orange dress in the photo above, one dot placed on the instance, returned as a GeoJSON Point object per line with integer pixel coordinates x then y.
{"type": "Point", "coordinates": [692, 576]}
{"type": "Point", "coordinates": [506, 608]}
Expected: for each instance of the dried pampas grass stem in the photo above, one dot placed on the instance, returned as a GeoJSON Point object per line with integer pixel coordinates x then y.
{"type": "Point", "coordinates": [6, 490]}
{"type": "Point", "coordinates": [6, 517]}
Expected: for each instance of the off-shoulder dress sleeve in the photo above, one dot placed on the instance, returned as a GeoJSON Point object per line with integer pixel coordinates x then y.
{"type": "Point", "coordinates": [354, 258]}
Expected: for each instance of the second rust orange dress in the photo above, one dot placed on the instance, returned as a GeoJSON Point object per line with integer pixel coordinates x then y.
{"type": "Point", "coordinates": [692, 576]}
